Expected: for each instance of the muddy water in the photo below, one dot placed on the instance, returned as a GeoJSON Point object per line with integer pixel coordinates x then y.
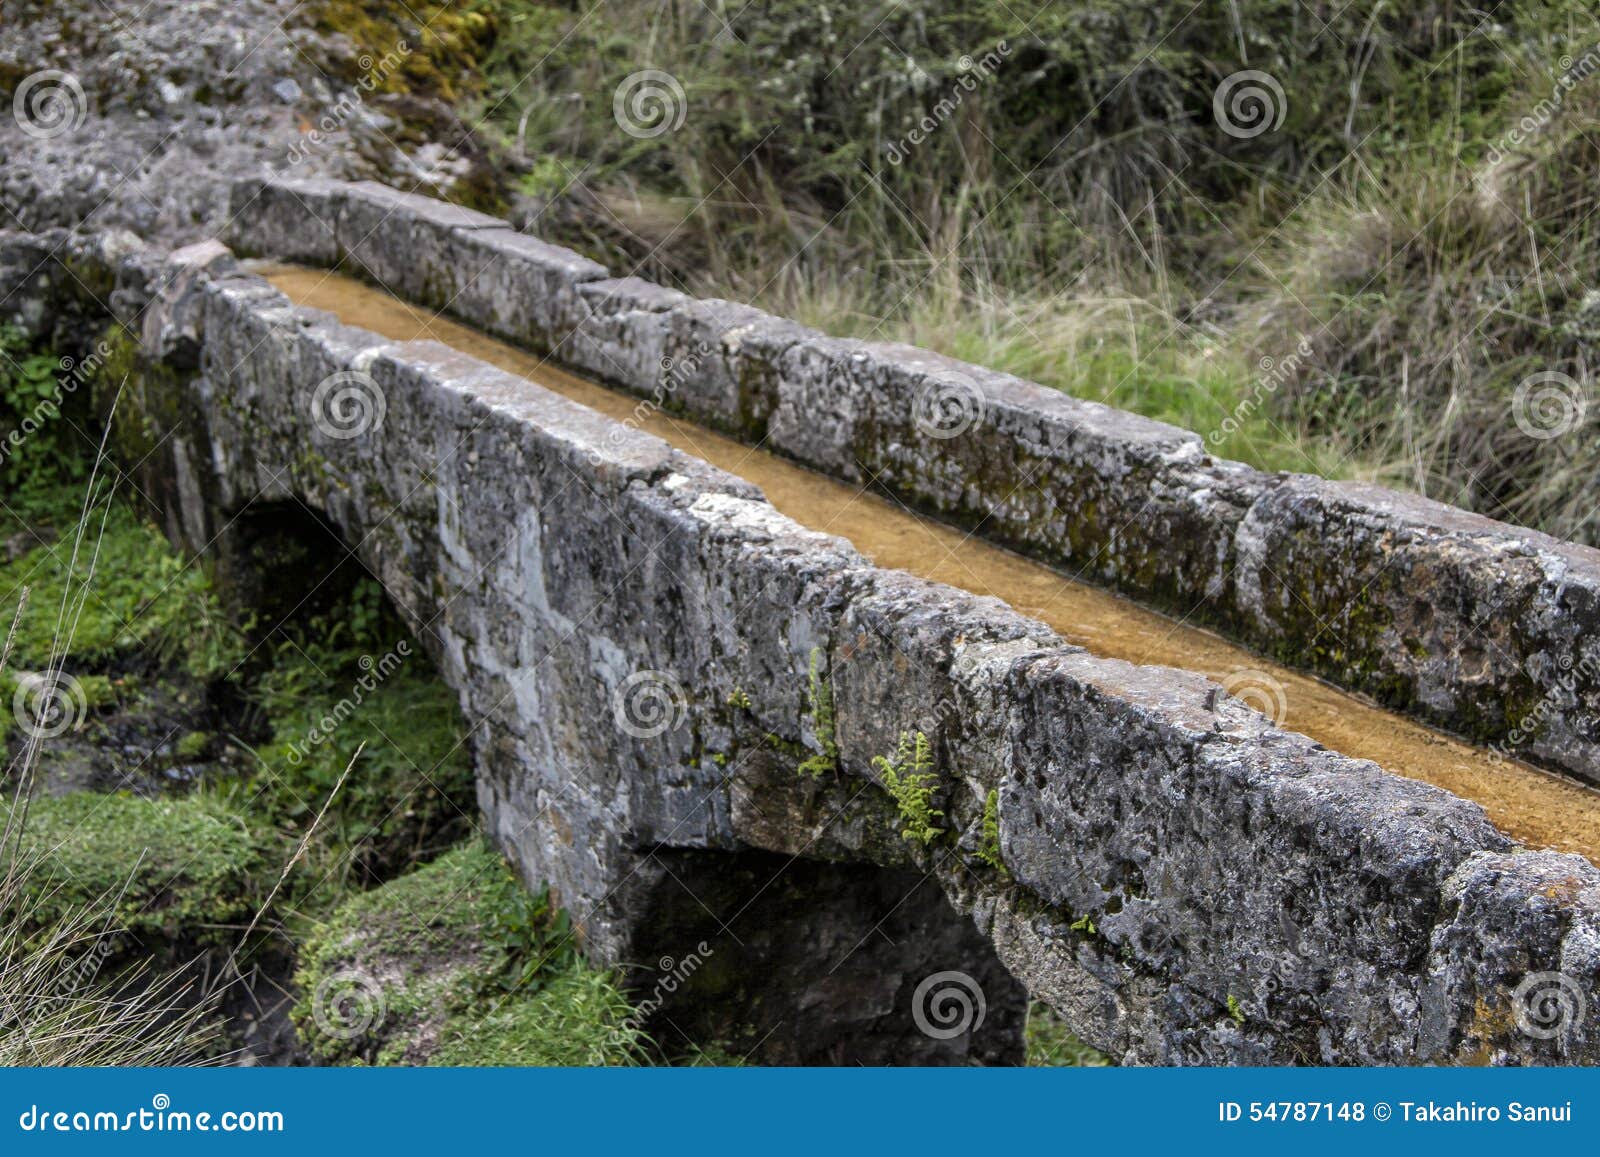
{"type": "Point", "coordinates": [1538, 808]}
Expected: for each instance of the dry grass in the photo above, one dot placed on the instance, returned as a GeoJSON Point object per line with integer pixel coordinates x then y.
{"type": "Point", "coordinates": [56, 1007]}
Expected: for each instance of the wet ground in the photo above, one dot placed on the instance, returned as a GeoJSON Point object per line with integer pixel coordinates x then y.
{"type": "Point", "coordinates": [1534, 806]}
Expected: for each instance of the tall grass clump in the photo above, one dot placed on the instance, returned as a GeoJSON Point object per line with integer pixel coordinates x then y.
{"type": "Point", "coordinates": [55, 1006]}
{"type": "Point", "coordinates": [1045, 187]}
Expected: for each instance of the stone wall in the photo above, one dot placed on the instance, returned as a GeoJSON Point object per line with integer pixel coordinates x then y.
{"type": "Point", "coordinates": [634, 635]}
{"type": "Point", "coordinates": [1483, 628]}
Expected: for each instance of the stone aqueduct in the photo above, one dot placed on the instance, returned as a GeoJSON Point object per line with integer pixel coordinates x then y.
{"type": "Point", "coordinates": [1182, 880]}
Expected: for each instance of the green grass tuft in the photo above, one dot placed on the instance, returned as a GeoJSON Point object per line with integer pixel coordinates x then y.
{"type": "Point", "coordinates": [185, 872]}
{"type": "Point", "coordinates": [458, 955]}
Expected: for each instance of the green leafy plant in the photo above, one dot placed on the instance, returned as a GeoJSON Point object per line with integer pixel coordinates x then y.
{"type": "Point", "coordinates": [535, 935]}
{"type": "Point", "coordinates": [323, 703]}
{"type": "Point", "coordinates": [911, 781]}
{"type": "Point", "coordinates": [1083, 924]}
{"type": "Point", "coordinates": [40, 447]}
{"type": "Point", "coordinates": [819, 693]}
{"type": "Point", "coordinates": [989, 843]}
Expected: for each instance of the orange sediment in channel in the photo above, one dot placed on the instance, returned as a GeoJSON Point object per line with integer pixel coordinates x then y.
{"type": "Point", "coordinates": [1538, 808]}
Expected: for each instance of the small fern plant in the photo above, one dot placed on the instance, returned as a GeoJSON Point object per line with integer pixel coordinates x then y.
{"type": "Point", "coordinates": [911, 781]}
{"type": "Point", "coordinates": [989, 845]}
{"type": "Point", "coordinates": [820, 695]}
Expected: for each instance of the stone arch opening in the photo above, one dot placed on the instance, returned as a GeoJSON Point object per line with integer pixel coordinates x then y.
{"type": "Point", "coordinates": [794, 961]}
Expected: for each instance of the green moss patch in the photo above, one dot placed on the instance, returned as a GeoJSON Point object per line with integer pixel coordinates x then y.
{"type": "Point", "coordinates": [124, 589]}
{"type": "Point", "coordinates": [456, 960]}
{"type": "Point", "coordinates": [580, 1018]}
{"type": "Point", "coordinates": [175, 872]}
{"type": "Point", "coordinates": [1050, 1043]}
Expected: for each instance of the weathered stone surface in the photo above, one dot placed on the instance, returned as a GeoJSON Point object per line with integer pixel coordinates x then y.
{"type": "Point", "coordinates": [1184, 882]}
{"type": "Point", "coordinates": [457, 259]}
{"type": "Point", "coordinates": [1474, 625]}
{"type": "Point", "coordinates": [285, 207]}
{"type": "Point", "coordinates": [1462, 619]}
{"type": "Point", "coordinates": [150, 112]}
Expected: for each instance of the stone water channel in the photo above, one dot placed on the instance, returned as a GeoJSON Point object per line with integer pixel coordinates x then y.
{"type": "Point", "coordinates": [1537, 807]}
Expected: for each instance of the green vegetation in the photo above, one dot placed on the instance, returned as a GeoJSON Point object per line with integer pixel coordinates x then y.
{"type": "Point", "coordinates": [581, 1018]}
{"type": "Point", "coordinates": [96, 876]}
{"type": "Point", "coordinates": [79, 1004]}
{"type": "Point", "coordinates": [989, 844]}
{"type": "Point", "coordinates": [1358, 291]}
{"type": "Point", "coordinates": [331, 688]}
{"type": "Point", "coordinates": [126, 591]}
{"type": "Point", "coordinates": [819, 695]}
{"type": "Point", "coordinates": [1050, 1042]}
{"type": "Point", "coordinates": [104, 585]}
{"type": "Point", "coordinates": [459, 956]}
{"type": "Point", "coordinates": [184, 872]}
{"type": "Point", "coordinates": [40, 435]}
{"type": "Point", "coordinates": [911, 781]}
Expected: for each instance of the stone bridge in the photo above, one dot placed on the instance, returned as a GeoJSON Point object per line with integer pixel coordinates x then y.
{"type": "Point", "coordinates": [687, 708]}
